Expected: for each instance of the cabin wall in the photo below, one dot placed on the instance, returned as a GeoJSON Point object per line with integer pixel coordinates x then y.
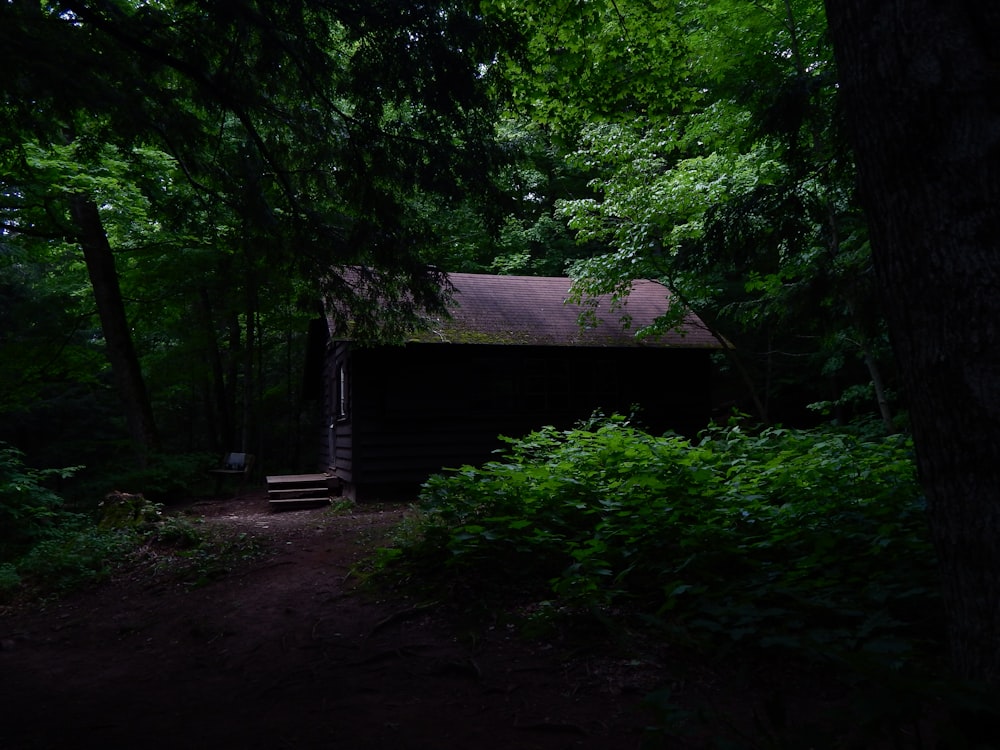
{"type": "Point", "coordinates": [338, 440]}
{"type": "Point", "coordinates": [420, 408]}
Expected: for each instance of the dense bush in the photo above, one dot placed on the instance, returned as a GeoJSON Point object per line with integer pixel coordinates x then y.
{"type": "Point", "coordinates": [164, 478]}
{"type": "Point", "coordinates": [28, 508]}
{"type": "Point", "coordinates": [74, 555]}
{"type": "Point", "coordinates": [41, 541]}
{"type": "Point", "coordinates": [47, 548]}
{"type": "Point", "coordinates": [807, 539]}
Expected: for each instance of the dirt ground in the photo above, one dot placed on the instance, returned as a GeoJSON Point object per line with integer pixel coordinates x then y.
{"type": "Point", "coordinates": [286, 651]}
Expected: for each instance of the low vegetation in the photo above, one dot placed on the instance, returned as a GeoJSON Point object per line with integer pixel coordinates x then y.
{"type": "Point", "coordinates": [814, 540]}
{"type": "Point", "coordinates": [807, 543]}
{"type": "Point", "coordinates": [48, 547]}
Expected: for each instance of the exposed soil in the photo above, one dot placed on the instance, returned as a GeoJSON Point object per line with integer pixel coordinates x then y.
{"type": "Point", "coordinates": [287, 651]}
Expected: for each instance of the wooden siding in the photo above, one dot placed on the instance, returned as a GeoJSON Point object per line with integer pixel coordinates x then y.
{"type": "Point", "coordinates": [423, 407]}
{"type": "Point", "coordinates": [340, 429]}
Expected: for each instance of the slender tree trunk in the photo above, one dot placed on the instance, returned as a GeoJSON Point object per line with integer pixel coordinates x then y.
{"type": "Point", "coordinates": [249, 373]}
{"type": "Point", "coordinates": [100, 263]}
{"type": "Point", "coordinates": [818, 147]}
{"type": "Point", "coordinates": [880, 396]}
{"type": "Point", "coordinates": [920, 80]}
{"type": "Point", "coordinates": [219, 418]}
{"type": "Point", "coordinates": [732, 355]}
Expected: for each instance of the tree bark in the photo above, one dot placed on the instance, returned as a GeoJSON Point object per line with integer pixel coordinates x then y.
{"type": "Point", "coordinates": [880, 396]}
{"type": "Point", "coordinates": [920, 82]}
{"type": "Point", "coordinates": [100, 262]}
{"type": "Point", "coordinates": [218, 409]}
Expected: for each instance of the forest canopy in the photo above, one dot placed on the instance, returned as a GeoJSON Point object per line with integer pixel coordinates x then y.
{"type": "Point", "coordinates": [180, 177]}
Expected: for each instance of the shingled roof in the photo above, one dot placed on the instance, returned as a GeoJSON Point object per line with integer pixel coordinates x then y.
{"type": "Point", "coordinates": [533, 310]}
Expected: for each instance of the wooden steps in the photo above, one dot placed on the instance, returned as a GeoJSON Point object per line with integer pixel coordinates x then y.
{"type": "Point", "coordinates": [298, 491]}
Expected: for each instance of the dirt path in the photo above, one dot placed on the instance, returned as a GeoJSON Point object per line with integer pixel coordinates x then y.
{"type": "Point", "coordinates": [284, 653]}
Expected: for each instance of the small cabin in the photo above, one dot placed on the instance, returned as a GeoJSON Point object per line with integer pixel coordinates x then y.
{"type": "Point", "coordinates": [511, 356]}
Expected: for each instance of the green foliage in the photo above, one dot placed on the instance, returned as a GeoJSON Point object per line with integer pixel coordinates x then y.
{"type": "Point", "coordinates": [43, 544]}
{"type": "Point", "coordinates": [165, 477]}
{"type": "Point", "coordinates": [811, 540]}
{"type": "Point", "coordinates": [177, 532]}
{"type": "Point", "coordinates": [228, 187]}
{"type": "Point", "coordinates": [80, 552]}
{"type": "Point", "coordinates": [578, 61]}
{"type": "Point", "coordinates": [75, 555]}
{"type": "Point", "coordinates": [47, 549]}
{"type": "Point", "coordinates": [10, 581]}
{"type": "Point", "coordinates": [191, 552]}
{"type": "Point", "coordinates": [28, 509]}
{"type": "Point", "coordinates": [120, 510]}
{"type": "Point", "coordinates": [739, 196]}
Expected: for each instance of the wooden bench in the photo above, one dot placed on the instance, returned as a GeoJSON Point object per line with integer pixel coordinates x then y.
{"type": "Point", "coordinates": [233, 465]}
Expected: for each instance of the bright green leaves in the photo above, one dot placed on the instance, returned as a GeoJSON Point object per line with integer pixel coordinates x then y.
{"type": "Point", "coordinates": [28, 509]}
{"type": "Point", "coordinates": [738, 196]}
{"type": "Point", "coordinates": [653, 199]}
{"type": "Point", "coordinates": [786, 537]}
{"type": "Point", "coordinates": [122, 181]}
{"type": "Point", "coordinates": [237, 152]}
{"type": "Point", "coordinates": [587, 60]}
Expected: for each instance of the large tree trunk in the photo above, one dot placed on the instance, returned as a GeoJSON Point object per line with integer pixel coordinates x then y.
{"type": "Point", "coordinates": [921, 85]}
{"type": "Point", "coordinates": [100, 263]}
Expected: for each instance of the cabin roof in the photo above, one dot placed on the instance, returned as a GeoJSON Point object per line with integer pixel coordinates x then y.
{"type": "Point", "coordinates": [535, 310]}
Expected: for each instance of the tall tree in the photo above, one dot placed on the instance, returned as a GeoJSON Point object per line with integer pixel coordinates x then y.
{"type": "Point", "coordinates": [100, 260]}
{"type": "Point", "coordinates": [735, 188]}
{"type": "Point", "coordinates": [920, 81]}
{"type": "Point", "coordinates": [304, 130]}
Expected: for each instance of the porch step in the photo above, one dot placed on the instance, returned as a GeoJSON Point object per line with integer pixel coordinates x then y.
{"type": "Point", "coordinates": [296, 491]}
{"type": "Point", "coordinates": [297, 503]}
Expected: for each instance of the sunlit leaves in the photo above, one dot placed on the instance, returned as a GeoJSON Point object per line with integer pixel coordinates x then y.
{"type": "Point", "coordinates": [741, 200]}
{"type": "Point", "coordinates": [584, 60]}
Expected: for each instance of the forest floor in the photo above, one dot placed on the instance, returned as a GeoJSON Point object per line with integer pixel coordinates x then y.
{"type": "Point", "coordinates": [287, 650]}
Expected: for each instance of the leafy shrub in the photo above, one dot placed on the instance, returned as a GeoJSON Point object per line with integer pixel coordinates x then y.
{"type": "Point", "coordinates": [194, 553]}
{"type": "Point", "coordinates": [28, 509]}
{"type": "Point", "coordinates": [165, 477]}
{"type": "Point", "coordinates": [177, 532]}
{"type": "Point", "coordinates": [46, 548]}
{"type": "Point", "coordinates": [805, 539]}
{"type": "Point", "coordinates": [81, 552]}
{"type": "Point", "coordinates": [10, 581]}
{"type": "Point", "coordinates": [75, 555]}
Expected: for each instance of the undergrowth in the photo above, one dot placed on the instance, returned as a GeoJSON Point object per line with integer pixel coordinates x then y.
{"type": "Point", "coordinates": [192, 553]}
{"type": "Point", "coordinates": [806, 539]}
{"type": "Point", "coordinates": [48, 549]}
{"type": "Point", "coordinates": [804, 542]}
